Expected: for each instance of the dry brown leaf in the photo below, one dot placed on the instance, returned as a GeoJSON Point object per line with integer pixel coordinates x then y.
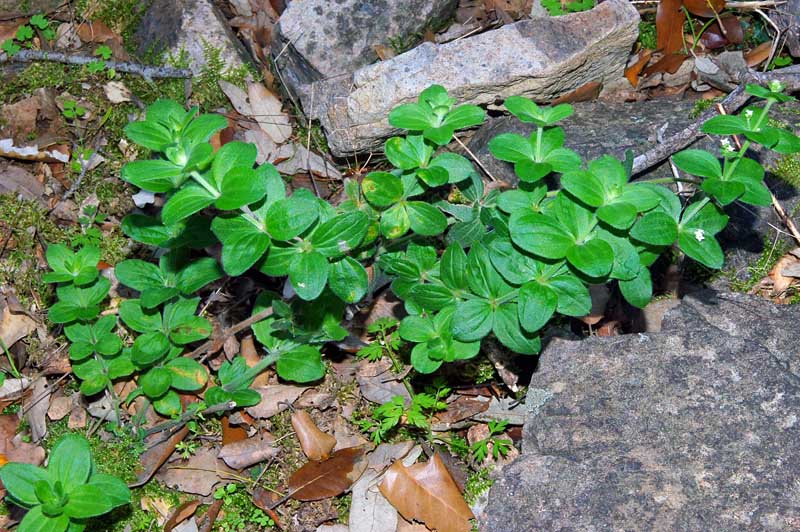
{"type": "Point", "coordinates": [585, 93]}
{"type": "Point", "coordinates": [669, 63]}
{"type": "Point", "coordinates": [198, 475]}
{"type": "Point", "coordinates": [97, 32]}
{"type": "Point", "coordinates": [427, 492]}
{"type": "Point", "coordinates": [157, 455]}
{"type": "Point", "coordinates": [275, 399]}
{"type": "Point", "coordinates": [315, 444]}
{"type": "Point", "coordinates": [714, 37]}
{"type": "Point", "coordinates": [461, 408]}
{"type": "Point", "coordinates": [322, 480]}
{"type": "Point", "coordinates": [780, 281]}
{"type": "Point", "coordinates": [267, 110]}
{"type": "Point", "coordinates": [181, 513]}
{"type": "Point", "coordinates": [36, 408]}
{"type": "Point", "coordinates": [758, 55]}
{"type": "Point", "coordinates": [60, 407]}
{"type": "Point", "coordinates": [249, 352]}
{"type": "Point", "coordinates": [14, 326]}
{"type": "Point", "coordinates": [669, 25]}
{"type": "Point", "coordinates": [348, 436]}
{"type": "Point", "coordinates": [245, 453]}
{"type": "Point", "coordinates": [232, 433]}
{"type": "Point", "coordinates": [633, 71]}
{"type": "Point", "coordinates": [704, 8]}
{"type": "Point", "coordinates": [378, 383]}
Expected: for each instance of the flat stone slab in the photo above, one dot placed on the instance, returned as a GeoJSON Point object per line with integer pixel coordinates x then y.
{"type": "Point", "coordinates": [320, 39]}
{"type": "Point", "coordinates": [696, 428]}
{"type": "Point", "coordinates": [542, 58]}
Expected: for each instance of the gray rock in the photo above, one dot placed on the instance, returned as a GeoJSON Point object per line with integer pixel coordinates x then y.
{"type": "Point", "coordinates": [319, 39]}
{"type": "Point", "coordinates": [600, 127]}
{"type": "Point", "coordinates": [15, 8]}
{"type": "Point", "coordinates": [193, 26]}
{"type": "Point", "coordinates": [541, 58]}
{"type": "Point", "coordinates": [692, 429]}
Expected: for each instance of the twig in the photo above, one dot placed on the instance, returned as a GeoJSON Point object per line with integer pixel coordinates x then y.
{"type": "Point", "coordinates": [474, 158]}
{"type": "Point", "coordinates": [147, 72]}
{"type": "Point", "coordinates": [227, 333]}
{"type": "Point", "coordinates": [790, 76]}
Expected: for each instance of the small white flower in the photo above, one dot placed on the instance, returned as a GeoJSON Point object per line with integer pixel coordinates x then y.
{"type": "Point", "coordinates": [699, 235]}
{"type": "Point", "coordinates": [776, 86]}
{"type": "Point", "coordinates": [726, 146]}
{"type": "Point", "coordinates": [748, 113]}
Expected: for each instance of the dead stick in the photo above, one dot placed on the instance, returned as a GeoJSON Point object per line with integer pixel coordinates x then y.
{"type": "Point", "coordinates": [227, 333]}
{"type": "Point", "coordinates": [789, 76]}
{"type": "Point", "coordinates": [147, 72]}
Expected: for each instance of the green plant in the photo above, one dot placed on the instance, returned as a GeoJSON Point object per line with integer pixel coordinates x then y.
{"type": "Point", "coordinates": [500, 446]}
{"type": "Point", "coordinates": [560, 7]}
{"type": "Point", "coordinates": [72, 110]}
{"type": "Point", "coordinates": [25, 33]}
{"type": "Point", "coordinates": [385, 342]}
{"type": "Point", "coordinates": [239, 511]}
{"type": "Point", "coordinates": [66, 493]}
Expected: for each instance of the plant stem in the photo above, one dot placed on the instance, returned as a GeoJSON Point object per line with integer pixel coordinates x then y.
{"type": "Point", "coordinates": [746, 144]}
{"type": "Point", "coordinates": [14, 370]}
{"type": "Point", "coordinates": [539, 134]}
{"type": "Point", "coordinates": [205, 184]}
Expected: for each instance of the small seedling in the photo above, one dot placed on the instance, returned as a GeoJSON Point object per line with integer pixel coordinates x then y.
{"type": "Point", "coordinates": [72, 110]}
{"type": "Point", "coordinates": [66, 492]}
{"type": "Point", "coordinates": [499, 446]}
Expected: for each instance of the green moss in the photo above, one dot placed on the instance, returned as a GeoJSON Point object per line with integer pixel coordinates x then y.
{"type": "Point", "coordinates": [44, 74]}
{"type": "Point", "coordinates": [647, 33]}
{"type": "Point", "coordinates": [478, 482]}
{"type": "Point", "coordinates": [787, 169]}
{"type": "Point", "coordinates": [207, 93]}
{"type": "Point", "coordinates": [122, 16]}
{"type": "Point", "coordinates": [702, 105]}
{"type": "Point", "coordinates": [773, 251]}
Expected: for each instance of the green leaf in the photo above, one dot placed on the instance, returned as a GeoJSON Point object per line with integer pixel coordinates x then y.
{"type": "Point", "coordinates": [531, 171]}
{"type": "Point", "coordinates": [152, 136]}
{"type": "Point", "coordinates": [156, 382]}
{"type": "Point", "coordinates": [278, 260]}
{"type": "Point", "coordinates": [594, 257]}
{"type": "Point", "coordinates": [558, 113]}
{"type": "Point", "coordinates": [340, 234]}
{"type": "Point", "coordinates": [243, 243]}
{"type": "Point", "coordinates": [408, 153]}
{"type": "Point", "coordinates": [465, 116]}
{"type": "Point", "coordinates": [425, 219]}
{"type": "Point", "coordinates": [309, 274]}
{"type": "Point", "coordinates": [149, 348]}
{"type": "Point", "coordinates": [70, 461]}
{"type": "Point", "coordinates": [453, 268]}
{"type": "Point", "coordinates": [698, 162]}
{"type": "Point", "coordinates": [348, 280]}
{"type": "Point", "coordinates": [232, 155]}
{"type": "Point", "coordinates": [395, 221]}
{"type": "Point", "coordinates": [36, 521]}
{"type": "Point", "coordinates": [169, 405]}
{"type": "Point", "coordinates": [139, 275]}
{"type": "Point", "coordinates": [87, 501]}
{"type": "Point", "coordinates": [585, 186]}
{"type": "Point", "coordinates": [639, 290]}
{"type": "Point", "coordinates": [701, 247]}
{"type": "Point", "coordinates": [411, 116]}
{"type": "Point", "coordinates": [139, 319]}
{"type": "Point", "coordinates": [241, 186]}
{"type": "Point", "coordinates": [458, 167]}
{"type": "Point", "coordinates": [382, 188]}
{"type": "Point", "coordinates": [725, 125]}
{"type": "Point", "coordinates": [417, 329]}
{"type": "Point", "coordinates": [507, 329]}
{"type": "Point", "coordinates": [20, 479]}
{"type": "Point", "coordinates": [188, 200]}
{"type": "Point", "coordinates": [515, 266]}
{"type": "Point", "coordinates": [540, 234]}
{"type": "Point", "coordinates": [431, 297]}
{"type": "Point", "coordinates": [203, 127]}
{"type": "Point", "coordinates": [187, 374]}
{"type": "Point", "coordinates": [288, 218]}
{"type": "Point", "coordinates": [573, 295]}
{"type": "Point", "coordinates": [422, 360]}
{"type": "Point", "coordinates": [198, 274]}
{"type": "Point", "coordinates": [154, 175]}
{"type": "Point", "coordinates": [433, 176]}
{"type": "Point", "coordinates": [512, 148]}
{"type": "Point", "coordinates": [302, 364]}
{"type": "Point", "coordinates": [537, 304]}
{"type": "Point", "coordinates": [113, 489]}
{"type": "Point", "coordinates": [619, 215]}
{"type": "Point", "coordinates": [725, 192]}
{"type": "Point", "coordinates": [656, 228]}
{"type": "Point", "coordinates": [475, 320]}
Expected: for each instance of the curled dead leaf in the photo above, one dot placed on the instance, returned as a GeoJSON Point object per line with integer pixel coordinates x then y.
{"type": "Point", "coordinates": [329, 478]}
{"type": "Point", "coordinates": [633, 71]}
{"type": "Point", "coordinates": [245, 453]}
{"type": "Point", "coordinates": [315, 444]}
{"type": "Point", "coordinates": [669, 25]}
{"type": "Point", "coordinates": [426, 492]}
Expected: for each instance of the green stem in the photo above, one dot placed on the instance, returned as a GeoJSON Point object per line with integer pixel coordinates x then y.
{"type": "Point", "coordinates": [539, 134]}
{"type": "Point", "coordinates": [746, 144]}
{"type": "Point", "coordinates": [205, 184]}
{"type": "Point", "coordinates": [253, 372]}
{"type": "Point", "coordinates": [14, 370]}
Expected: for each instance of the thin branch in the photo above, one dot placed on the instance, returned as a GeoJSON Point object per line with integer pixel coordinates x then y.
{"type": "Point", "coordinates": [474, 158]}
{"type": "Point", "coordinates": [147, 72]}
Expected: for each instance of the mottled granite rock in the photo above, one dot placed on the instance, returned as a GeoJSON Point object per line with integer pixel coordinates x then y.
{"type": "Point", "coordinates": [16, 8]}
{"type": "Point", "coordinates": [320, 39]}
{"type": "Point", "coordinates": [542, 58]}
{"type": "Point", "coordinates": [173, 26]}
{"type": "Point", "coordinates": [600, 127]}
{"type": "Point", "coordinates": [692, 429]}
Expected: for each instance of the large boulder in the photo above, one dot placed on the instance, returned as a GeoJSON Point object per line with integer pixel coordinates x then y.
{"type": "Point", "coordinates": [692, 429]}
{"type": "Point", "coordinates": [320, 39]}
{"type": "Point", "coordinates": [542, 58]}
{"type": "Point", "coordinates": [608, 127]}
{"type": "Point", "coordinates": [195, 27]}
